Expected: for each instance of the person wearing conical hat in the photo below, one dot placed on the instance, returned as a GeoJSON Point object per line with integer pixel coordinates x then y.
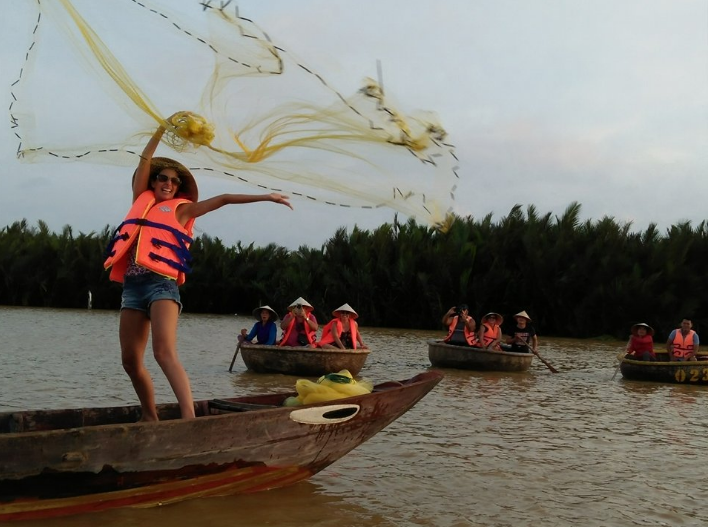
{"type": "Point", "coordinates": [641, 343]}
{"type": "Point", "coordinates": [523, 338]}
{"type": "Point", "coordinates": [342, 332]}
{"type": "Point", "coordinates": [490, 334]}
{"type": "Point", "coordinates": [264, 330]}
{"type": "Point", "coordinates": [150, 256]}
{"type": "Point", "coordinates": [299, 325]}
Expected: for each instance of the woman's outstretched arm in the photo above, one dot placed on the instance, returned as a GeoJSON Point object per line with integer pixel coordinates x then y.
{"type": "Point", "coordinates": [194, 210]}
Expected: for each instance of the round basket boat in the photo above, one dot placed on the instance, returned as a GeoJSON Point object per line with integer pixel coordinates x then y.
{"type": "Point", "coordinates": [304, 361]}
{"type": "Point", "coordinates": [467, 358]}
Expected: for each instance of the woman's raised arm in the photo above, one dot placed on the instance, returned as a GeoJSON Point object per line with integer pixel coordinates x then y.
{"type": "Point", "coordinates": [142, 173]}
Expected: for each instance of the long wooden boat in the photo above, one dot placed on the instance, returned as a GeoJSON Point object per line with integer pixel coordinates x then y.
{"type": "Point", "coordinates": [663, 370]}
{"type": "Point", "coordinates": [466, 358]}
{"type": "Point", "coordinates": [61, 462]}
{"type": "Point", "coordinates": [303, 361]}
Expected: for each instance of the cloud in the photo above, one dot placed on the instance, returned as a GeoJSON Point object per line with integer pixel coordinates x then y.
{"type": "Point", "coordinates": [546, 101]}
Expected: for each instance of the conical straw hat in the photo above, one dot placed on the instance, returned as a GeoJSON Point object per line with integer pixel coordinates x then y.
{"type": "Point", "coordinates": [347, 309]}
{"type": "Point", "coordinates": [300, 302]}
{"type": "Point", "coordinates": [500, 319]}
{"type": "Point", "coordinates": [635, 327]}
{"type": "Point", "coordinates": [188, 188]}
{"type": "Point", "coordinates": [257, 313]}
{"type": "Point", "coordinates": [523, 314]}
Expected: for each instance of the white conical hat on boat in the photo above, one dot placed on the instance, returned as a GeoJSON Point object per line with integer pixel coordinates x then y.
{"type": "Point", "coordinates": [300, 302]}
{"type": "Point", "coordinates": [347, 309]}
{"type": "Point", "coordinates": [523, 314]}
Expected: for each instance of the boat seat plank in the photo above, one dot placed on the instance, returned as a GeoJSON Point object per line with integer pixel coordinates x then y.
{"type": "Point", "coordinates": [387, 386]}
{"type": "Point", "coordinates": [233, 406]}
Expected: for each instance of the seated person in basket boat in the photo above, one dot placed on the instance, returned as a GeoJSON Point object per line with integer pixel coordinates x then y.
{"type": "Point", "coordinates": [299, 325]}
{"type": "Point", "coordinates": [264, 330]}
{"type": "Point", "coordinates": [490, 334]}
{"type": "Point", "coordinates": [342, 332]}
{"type": "Point", "coordinates": [461, 327]}
{"type": "Point", "coordinates": [641, 343]}
{"type": "Point", "coordinates": [683, 342]}
{"type": "Point", "coordinates": [523, 338]}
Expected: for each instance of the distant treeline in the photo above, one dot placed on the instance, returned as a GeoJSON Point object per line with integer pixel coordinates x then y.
{"type": "Point", "coordinates": [575, 279]}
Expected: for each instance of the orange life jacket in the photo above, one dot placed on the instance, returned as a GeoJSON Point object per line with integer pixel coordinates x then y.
{"type": "Point", "coordinates": [162, 243]}
{"type": "Point", "coordinates": [309, 332]}
{"type": "Point", "coordinates": [470, 336]}
{"type": "Point", "coordinates": [683, 346]}
{"type": "Point", "coordinates": [490, 335]}
{"type": "Point", "coordinates": [333, 325]}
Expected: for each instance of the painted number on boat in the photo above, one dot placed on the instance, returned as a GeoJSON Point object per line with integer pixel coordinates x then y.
{"type": "Point", "coordinates": [693, 375]}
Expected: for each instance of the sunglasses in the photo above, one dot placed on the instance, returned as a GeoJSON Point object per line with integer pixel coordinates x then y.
{"type": "Point", "coordinates": [163, 178]}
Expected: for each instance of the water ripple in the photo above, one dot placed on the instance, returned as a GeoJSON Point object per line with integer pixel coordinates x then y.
{"type": "Point", "coordinates": [482, 449]}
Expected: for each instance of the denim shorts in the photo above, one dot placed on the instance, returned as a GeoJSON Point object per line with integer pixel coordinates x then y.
{"type": "Point", "coordinates": [139, 292]}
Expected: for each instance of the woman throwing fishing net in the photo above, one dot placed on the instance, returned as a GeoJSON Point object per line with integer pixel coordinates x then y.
{"type": "Point", "coordinates": [150, 256]}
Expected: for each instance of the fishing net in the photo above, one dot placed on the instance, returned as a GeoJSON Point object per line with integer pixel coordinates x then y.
{"type": "Point", "coordinates": [100, 76]}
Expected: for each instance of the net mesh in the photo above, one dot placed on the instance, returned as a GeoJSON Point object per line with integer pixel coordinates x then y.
{"type": "Point", "coordinates": [100, 76]}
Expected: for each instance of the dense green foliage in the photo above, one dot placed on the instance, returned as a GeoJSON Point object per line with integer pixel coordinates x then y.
{"type": "Point", "coordinates": [580, 279]}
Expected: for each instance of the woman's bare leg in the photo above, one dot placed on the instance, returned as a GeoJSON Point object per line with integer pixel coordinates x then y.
{"type": "Point", "coordinates": [133, 333]}
{"type": "Point", "coordinates": [163, 316]}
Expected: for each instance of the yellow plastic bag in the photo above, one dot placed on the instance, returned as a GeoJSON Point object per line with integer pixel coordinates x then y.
{"type": "Point", "coordinates": [329, 387]}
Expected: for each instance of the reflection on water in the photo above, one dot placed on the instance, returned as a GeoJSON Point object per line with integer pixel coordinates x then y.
{"type": "Point", "coordinates": [482, 449]}
{"type": "Point", "coordinates": [303, 504]}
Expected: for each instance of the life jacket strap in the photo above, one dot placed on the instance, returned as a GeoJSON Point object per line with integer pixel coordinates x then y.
{"type": "Point", "coordinates": [117, 236]}
{"type": "Point", "coordinates": [181, 251]}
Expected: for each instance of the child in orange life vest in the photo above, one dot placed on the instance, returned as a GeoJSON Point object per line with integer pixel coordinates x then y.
{"type": "Point", "coordinates": [164, 209]}
{"type": "Point", "coordinates": [299, 325]}
{"type": "Point", "coordinates": [461, 326]}
{"type": "Point", "coordinates": [342, 332]}
{"type": "Point", "coordinates": [641, 343]}
{"type": "Point", "coordinates": [490, 333]}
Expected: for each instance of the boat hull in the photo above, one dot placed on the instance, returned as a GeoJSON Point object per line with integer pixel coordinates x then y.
{"type": "Point", "coordinates": [62, 462]}
{"type": "Point", "coordinates": [444, 355]}
{"type": "Point", "coordinates": [689, 372]}
{"type": "Point", "coordinates": [303, 361]}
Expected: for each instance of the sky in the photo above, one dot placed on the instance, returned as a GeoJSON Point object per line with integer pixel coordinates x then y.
{"type": "Point", "coordinates": [601, 102]}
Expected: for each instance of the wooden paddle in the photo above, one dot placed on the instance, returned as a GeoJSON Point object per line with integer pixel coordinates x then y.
{"type": "Point", "coordinates": [550, 367]}
{"type": "Point", "coordinates": [238, 347]}
{"type": "Point", "coordinates": [619, 363]}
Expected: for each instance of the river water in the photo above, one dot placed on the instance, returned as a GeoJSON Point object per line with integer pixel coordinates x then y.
{"type": "Point", "coordinates": [482, 449]}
